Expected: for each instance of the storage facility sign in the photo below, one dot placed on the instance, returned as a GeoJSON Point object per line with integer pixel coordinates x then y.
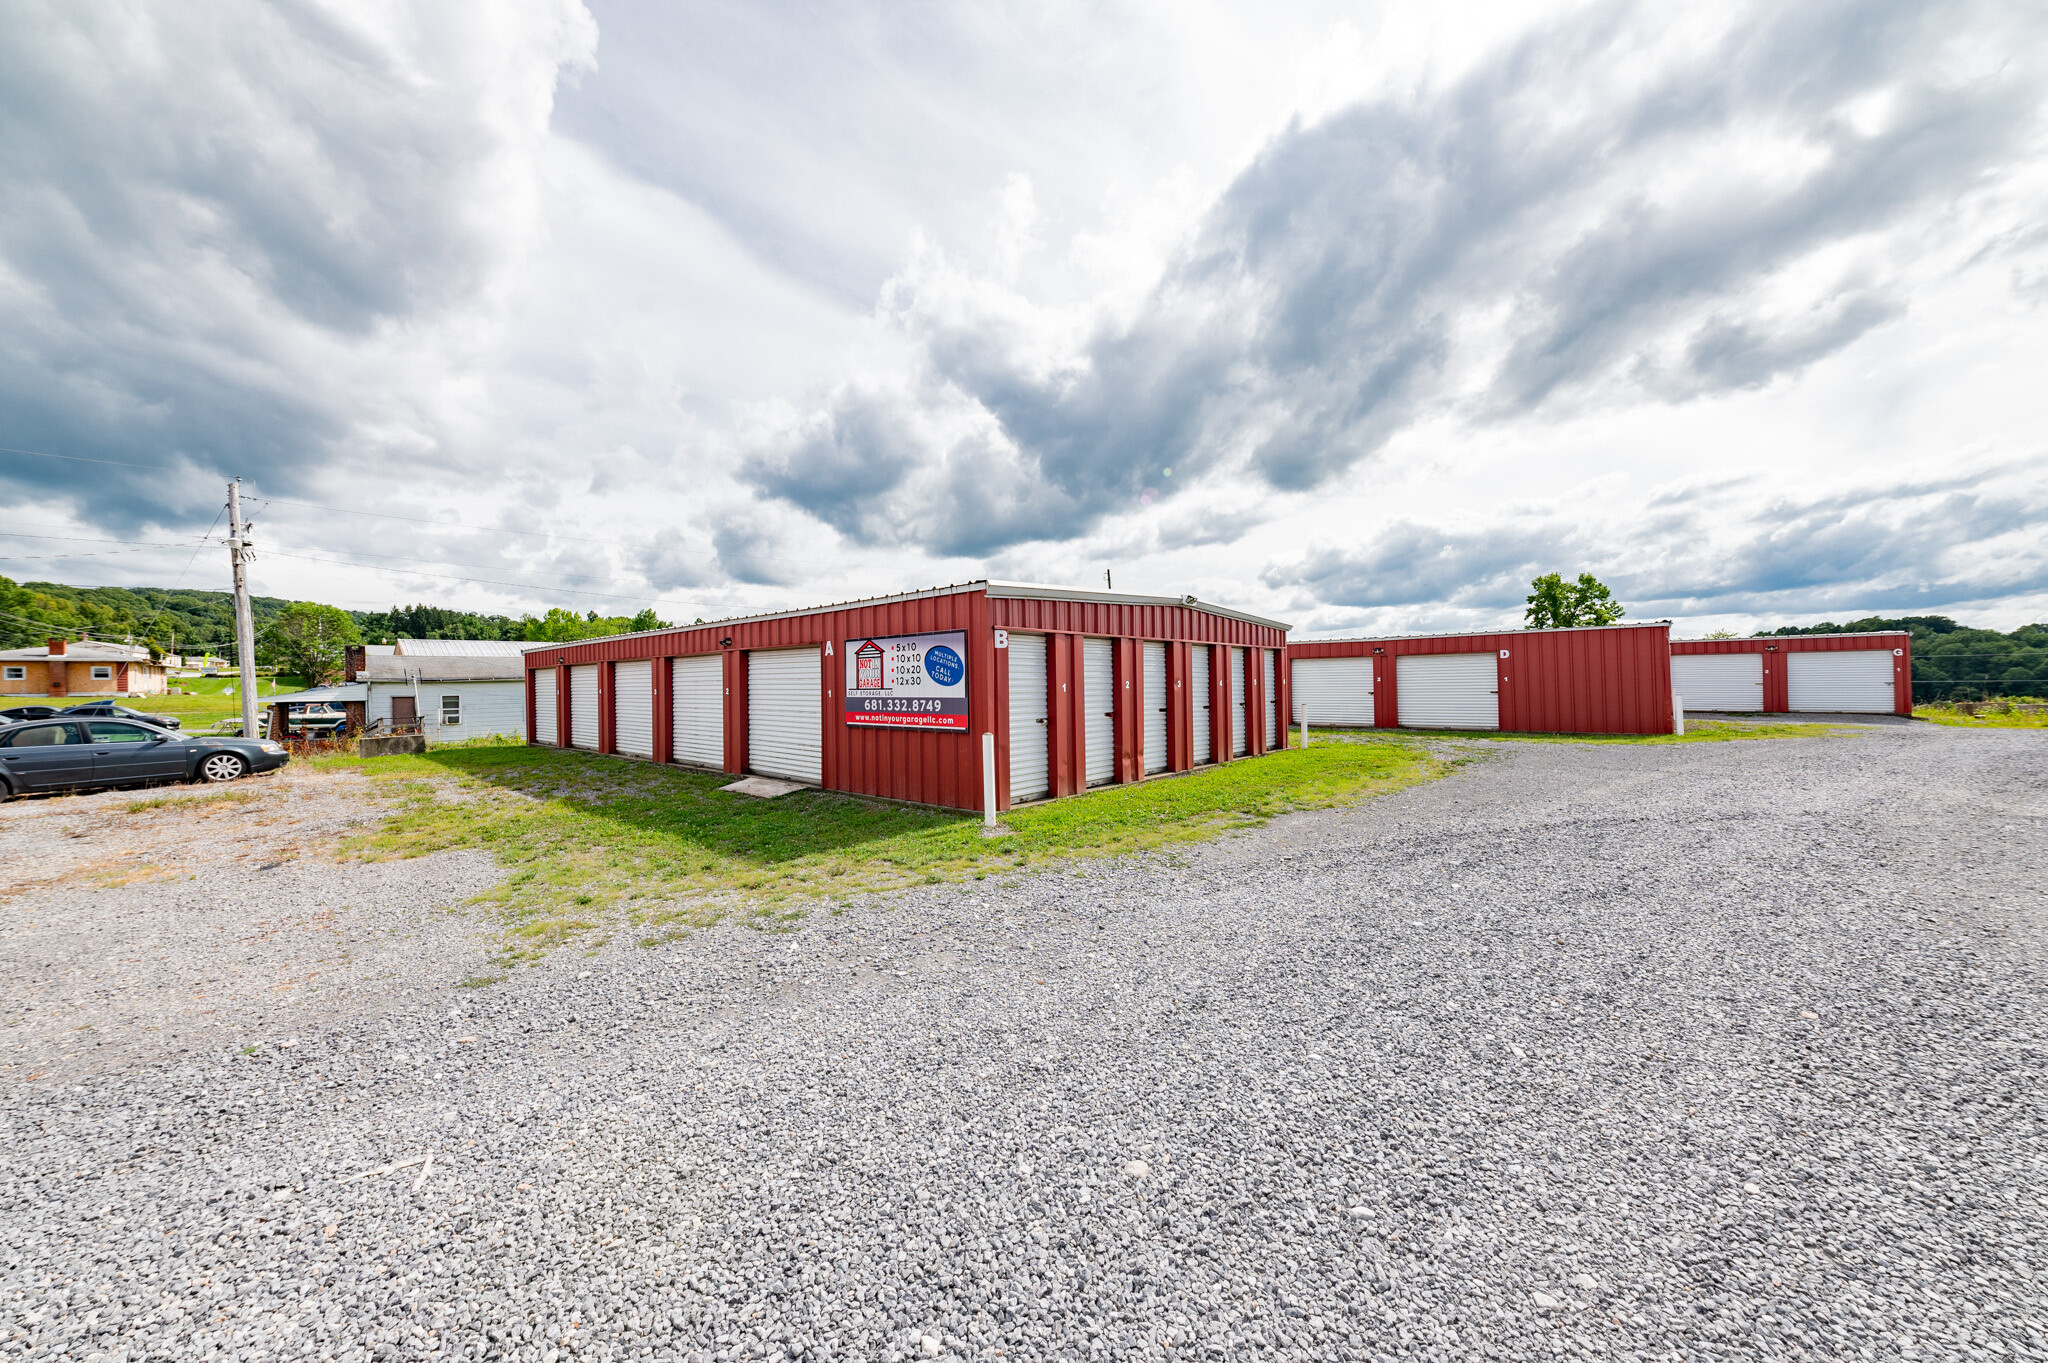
{"type": "Point", "coordinates": [908, 681]}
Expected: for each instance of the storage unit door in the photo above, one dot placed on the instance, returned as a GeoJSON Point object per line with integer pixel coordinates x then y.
{"type": "Point", "coordinates": [1199, 683]}
{"type": "Point", "coordinates": [1272, 700]}
{"type": "Point", "coordinates": [786, 714]}
{"type": "Point", "coordinates": [1853, 682]}
{"type": "Point", "coordinates": [1449, 691]}
{"type": "Point", "coordinates": [1155, 706]}
{"type": "Point", "coordinates": [1098, 711]}
{"type": "Point", "coordinates": [697, 690]}
{"type": "Point", "coordinates": [633, 719]}
{"type": "Point", "coordinates": [583, 707]}
{"type": "Point", "coordinates": [1335, 693]}
{"type": "Point", "coordinates": [1719, 681]}
{"type": "Point", "coordinates": [544, 708]}
{"type": "Point", "coordinates": [1030, 773]}
{"type": "Point", "coordinates": [1237, 748]}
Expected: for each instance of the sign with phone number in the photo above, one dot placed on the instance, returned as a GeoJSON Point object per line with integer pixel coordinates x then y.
{"type": "Point", "coordinates": [908, 681]}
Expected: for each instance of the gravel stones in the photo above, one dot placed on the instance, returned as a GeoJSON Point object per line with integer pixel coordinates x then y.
{"type": "Point", "coordinates": [910, 1124]}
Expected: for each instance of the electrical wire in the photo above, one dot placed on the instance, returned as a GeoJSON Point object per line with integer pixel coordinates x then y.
{"type": "Point", "coordinates": [482, 581]}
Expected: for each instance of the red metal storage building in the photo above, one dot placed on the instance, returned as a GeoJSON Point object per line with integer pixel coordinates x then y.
{"type": "Point", "coordinates": [890, 696]}
{"type": "Point", "coordinates": [1612, 679]}
{"type": "Point", "coordinates": [1784, 673]}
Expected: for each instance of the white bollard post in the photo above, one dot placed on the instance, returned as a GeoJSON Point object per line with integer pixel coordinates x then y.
{"type": "Point", "coordinates": [1677, 714]}
{"type": "Point", "coordinates": [988, 780]}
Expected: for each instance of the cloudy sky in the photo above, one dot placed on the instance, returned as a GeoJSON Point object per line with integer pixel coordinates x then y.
{"type": "Point", "coordinates": [1355, 315]}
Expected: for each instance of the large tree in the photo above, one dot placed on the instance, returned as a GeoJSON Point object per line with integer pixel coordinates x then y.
{"type": "Point", "coordinates": [308, 639]}
{"type": "Point", "coordinates": [1558, 604]}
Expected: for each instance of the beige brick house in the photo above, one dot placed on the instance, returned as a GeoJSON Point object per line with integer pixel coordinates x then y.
{"type": "Point", "coordinates": [87, 667]}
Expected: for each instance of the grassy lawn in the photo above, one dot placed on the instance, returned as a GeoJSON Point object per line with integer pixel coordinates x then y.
{"type": "Point", "coordinates": [1950, 718]}
{"type": "Point", "coordinates": [212, 703]}
{"type": "Point", "coordinates": [1696, 731]}
{"type": "Point", "coordinates": [596, 845]}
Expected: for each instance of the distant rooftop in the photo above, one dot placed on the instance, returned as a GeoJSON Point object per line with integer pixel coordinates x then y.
{"type": "Point", "coordinates": [466, 648]}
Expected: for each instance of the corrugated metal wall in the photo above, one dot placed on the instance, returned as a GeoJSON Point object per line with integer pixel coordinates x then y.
{"type": "Point", "coordinates": [1775, 648]}
{"type": "Point", "coordinates": [697, 719]}
{"type": "Point", "coordinates": [1154, 668]}
{"type": "Point", "coordinates": [1614, 680]}
{"type": "Point", "coordinates": [633, 722]}
{"type": "Point", "coordinates": [488, 708]}
{"type": "Point", "coordinates": [544, 729]}
{"type": "Point", "coordinates": [583, 706]}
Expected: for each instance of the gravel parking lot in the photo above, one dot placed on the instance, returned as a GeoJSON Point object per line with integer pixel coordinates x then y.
{"type": "Point", "coordinates": [1718, 1051]}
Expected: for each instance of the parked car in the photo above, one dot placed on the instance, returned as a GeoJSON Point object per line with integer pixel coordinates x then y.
{"type": "Point", "coordinates": [70, 754]}
{"type": "Point", "coordinates": [21, 712]}
{"type": "Point", "coordinates": [107, 709]}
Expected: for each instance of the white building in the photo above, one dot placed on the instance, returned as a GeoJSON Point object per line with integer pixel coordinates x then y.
{"type": "Point", "coordinates": [453, 698]}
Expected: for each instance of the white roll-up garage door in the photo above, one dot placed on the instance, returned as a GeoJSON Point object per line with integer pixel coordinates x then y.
{"type": "Point", "coordinates": [1155, 706]}
{"type": "Point", "coordinates": [583, 707]}
{"type": "Point", "coordinates": [1719, 681]}
{"type": "Point", "coordinates": [544, 708]}
{"type": "Point", "coordinates": [1237, 748]}
{"type": "Point", "coordinates": [1449, 691]}
{"type": "Point", "coordinates": [1335, 693]}
{"type": "Point", "coordinates": [1851, 681]}
{"type": "Point", "coordinates": [697, 693]}
{"type": "Point", "coordinates": [633, 713]}
{"type": "Point", "coordinates": [1204, 732]}
{"type": "Point", "coordinates": [1272, 675]}
{"type": "Point", "coordinates": [1030, 773]}
{"type": "Point", "coordinates": [786, 714]}
{"type": "Point", "coordinates": [1098, 710]}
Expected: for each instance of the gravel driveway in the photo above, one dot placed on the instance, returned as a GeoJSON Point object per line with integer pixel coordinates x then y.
{"type": "Point", "coordinates": [1716, 1051]}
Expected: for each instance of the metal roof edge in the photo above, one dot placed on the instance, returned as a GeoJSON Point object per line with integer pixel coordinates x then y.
{"type": "Point", "coordinates": [1032, 591]}
{"type": "Point", "coordinates": [1019, 590]}
{"type": "Point", "coordinates": [1836, 634]}
{"type": "Point", "coordinates": [1476, 633]}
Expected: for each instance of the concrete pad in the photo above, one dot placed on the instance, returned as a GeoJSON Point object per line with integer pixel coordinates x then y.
{"type": "Point", "coordinates": [763, 787]}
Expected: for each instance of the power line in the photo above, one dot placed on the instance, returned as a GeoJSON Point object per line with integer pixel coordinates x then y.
{"type": "Point", "coordinates": [482, 581]}
{"type": "Point", "coordinates": [81, 459]}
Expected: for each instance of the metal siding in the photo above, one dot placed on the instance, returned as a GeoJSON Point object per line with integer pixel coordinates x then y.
{"type": "Point", "coordinates": [1237, 720]}
{"type": "Point", "coordinates": [1155, 706]}
{"type": "Point", "coordinates": [1129, 621]}
{"type": "Point", "coordinates": [544, 707]}
{"type": "Point", "coordinates": [1719, 681]}
{"type": "Point", "coordinates": [1845, 681]}
{"type": "Point", "coordinates": [1098, 713]}
{"type": "Point", "coordinates": [633, 708]}
{"type": "Point", "coordinates": [583, 699]}
{"type": "Point", "coordinates": [1030, 772]}
{"type": "Point", "coordinates": [1200, 695]}
{"type": "Point", "coordinates": [1335, 693]}
{"type": "Point", "coordinates": [488, 708]}
{"type": "Point", "coordinates": [1450, 691]}
{"type": "Point", "coordinates": [785, 719]}
{"type": "Point", "coordinates": [697, 710]}
{"type": "Point", "coordinates": [1271, 699]}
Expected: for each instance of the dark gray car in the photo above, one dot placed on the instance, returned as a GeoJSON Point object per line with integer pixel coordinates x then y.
{"type": "Point", "coordinates": [71, 754]}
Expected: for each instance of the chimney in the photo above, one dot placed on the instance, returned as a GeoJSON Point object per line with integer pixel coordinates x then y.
{"type": "Point", "coordinates": [353, 661]}
{"type": "Point", "coordinates": [56, 648]}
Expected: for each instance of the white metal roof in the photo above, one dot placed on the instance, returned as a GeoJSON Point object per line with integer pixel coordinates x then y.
{"type": "Point", "coordinates": [499, 668]}
{"type": "Point", "coordinates": [1475, 633]}
{"type": "Point", "coordinates": [465, 648]}
{"type": "Point", "coordinates": [1024, 590]}
{"type": "Point", "coordinates": [1831, 634]}
{"type": "Point", "coordinates": [82, 650]}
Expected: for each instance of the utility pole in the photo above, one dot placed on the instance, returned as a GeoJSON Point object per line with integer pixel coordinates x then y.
{"type": "Point", "coordinates": [245, 624]}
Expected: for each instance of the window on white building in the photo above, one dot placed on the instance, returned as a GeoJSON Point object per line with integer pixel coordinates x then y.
{"type": "Point", "coordinates": [451, 709]}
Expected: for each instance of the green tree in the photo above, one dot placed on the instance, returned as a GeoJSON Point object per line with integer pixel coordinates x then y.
{"type": "Point", "coordinates": [1558, 604]}
{"type": "Point", "coordinates": [308, 639]}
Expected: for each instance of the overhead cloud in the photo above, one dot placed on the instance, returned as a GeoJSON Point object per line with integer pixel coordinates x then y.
{"type": "Point", "coordinates": [1611, 210]}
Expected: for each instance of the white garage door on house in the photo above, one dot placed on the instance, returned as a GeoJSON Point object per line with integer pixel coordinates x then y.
{"type": "Point", "coordinates": [1448, 690]}
{"type": "Point", "coordinates": [1155, 706]}
{"type": "Point", "coordinates": [1272, 674]}
{"type": "Point", "coordinates": [1719, 681]}
{"type": "Point", "coordinates": [583, 707]}
{"type": "Point", "coordinates": [1030, 773]}
{"type": "Point", "coordinates": [1098, 710]}
{"type": "Point", "coordinates": [1334, 693]}
{"type": "Point", "coordinates": [1852, 681]}
{"type": "Point", "coordinates": [1237, 748]}
{"type": "Point", "coordinates": [633, 707]}
{"type": "Point", "coordinates": [697, 693]}
{"type": "Point", "coordinates": [786, 714]}
{"type": "Point", "coordinates": [544, 708]}
{"type": "Point", "coordinates": [1204, 725]}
